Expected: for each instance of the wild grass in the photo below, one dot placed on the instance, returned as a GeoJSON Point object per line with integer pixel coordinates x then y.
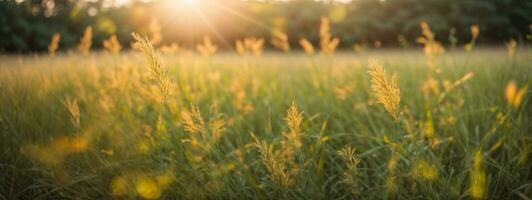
{"type": "Point", "coordinates": [278, 126]}
{"type": "Point", "coordinates": [86, 41]}
{"type": "Point", "coordinates": [54, 44]}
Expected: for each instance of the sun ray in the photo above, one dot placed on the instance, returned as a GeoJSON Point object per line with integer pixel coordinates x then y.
{"type": "Point", "coordinates": [240, 15]}
{"type": "Point", "coordinates": [218, 35]}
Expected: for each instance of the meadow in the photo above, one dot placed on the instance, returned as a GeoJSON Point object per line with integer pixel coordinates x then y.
{"type": "Point", "coordinates": [376, 124]}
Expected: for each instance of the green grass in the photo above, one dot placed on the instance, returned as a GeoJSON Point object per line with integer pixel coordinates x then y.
{"type": "Point", "coordinates": [121, 112]}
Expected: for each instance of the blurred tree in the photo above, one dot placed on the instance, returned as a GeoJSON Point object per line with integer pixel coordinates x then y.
{"type": "Point", "coordinates": [28, 25]}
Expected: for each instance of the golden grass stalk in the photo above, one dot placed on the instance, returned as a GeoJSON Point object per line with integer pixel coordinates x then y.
{"type": "Point", "coordinates": [514, 96]}
{"type": "Point", "coordinates": [254, 45]}
{"type": "Point", "coordinates": [448, 86]}
{"type": "Point", "coordinates": [239, 47]}
{"type": "Point", "coordinates": [390, 184]}
{"type": "Point", "coordinates": [280, 41]}
{"type": "Point", "coordinates": [348, 154]}
{"type": "Point", "coordinates": [203, 134]}
{"type": "Point", "coordinates": [429, 130]}
{"type": "Point", "coordinates": [276, 161]}
{"type": "Point", "coordinates": [342, 92]}
{"type": "Point", "coordinates": [294, 118]}
{"type": "Point", "coordinates": [426, 31]}
{"type": "Point", "coordinates": [207, 48]}
{"type": "Point", "coordinates": [73, 109]}
{"type": "Point", "coordinates": [431, 47]}
{"type": "Point", "coordinates": [328, 45]}
{"type": "Point", "coordinates": [54, 44]}
{"type": "Point", "coordinates": [275, 165]}
{"type": "Point", "coordinates": [424, 171]}
{"type": "Point", "coordinates": [349, 176]}
{"type": "Point", "coordinates": [477, 177]}
{"type": "Point", "coordinates": [157, 71]}
{"type": "Point", "coordinates": [112, 45]}
{"type": "Point", "coordinates": [249, 45]}
{"type": "Point", "coordinates": [307, 46]}
{"type": "Point", "coordinates": [86, 41]}
{"type": "Point", "coordinates": [193, 121]}
{"type": "Point", "coordinates": [385, 89]}
{"type": "Point", "coordinates": [170, 49]}
{"type": "Point", "coordinates": [511, 46]}
{"type": "Point", "coordinates": [475, 31]}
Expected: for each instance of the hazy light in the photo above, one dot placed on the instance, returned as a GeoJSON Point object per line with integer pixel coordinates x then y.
{"type": "Point", "coordinates": [189, 2]}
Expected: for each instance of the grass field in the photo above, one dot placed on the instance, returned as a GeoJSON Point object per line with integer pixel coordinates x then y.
{"type": "Point", "coordinates": [278, 126]}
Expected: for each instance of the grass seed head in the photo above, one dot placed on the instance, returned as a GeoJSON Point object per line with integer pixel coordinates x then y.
{"type": "Point", "coordinates": [431, 47]}
{"type": "Point", "coordinates": [254, 45]}
{"type": "Point", "coordinates": [292, 138]}
{"type": "Point", "coordinates": [54, 44]}
{"type": "Point", "coordinates": [275, 165]}
{"type": "Point", "coordinates": [157, 71]}
{"type": "Point", "coordinates": [170, 49]}
{"type": "Point", "coordinates": [328, 44]}
{"type": "Point", "coordinates": [280, 41]}
{"type": "Point", "coordinates": [348, 154]}
{"type": "Point", "coordinates": [112, 45]}
{"type": "Point", "coordinates": [86, 41]}
{"type": "Point", "coordinates": [73, 109]}
{"type": "Point", "coordinates": [475, 31]}
{"type": "Point", "coordinates": [514, 96]}
{"type": "Point", "coordinates": [207, 48]}
{"type": "Point", "coordinates": [307, 46]}
{"type": "Point", "coordinates": [385, 89]}
{"type": "Point", "coordinates": [294, 118]}
{"type": "Point", "coordinates": [239, 46]}
{"type": "Point", "coordinates": [511, 46]}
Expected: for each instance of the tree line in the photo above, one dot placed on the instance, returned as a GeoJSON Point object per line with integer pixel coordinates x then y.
{"type": "Point", "coordinates": [28, 26]}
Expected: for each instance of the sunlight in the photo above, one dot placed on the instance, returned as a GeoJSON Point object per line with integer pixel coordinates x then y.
{"type": "Point", "coordinates": [188, 2]}
{"type": "Point", "coordinates": [183, 5]}
{"type": "Point", "coordinates": [264, 99]}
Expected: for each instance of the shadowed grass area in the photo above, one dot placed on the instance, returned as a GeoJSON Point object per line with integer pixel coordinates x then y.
{"type": "Point", "coordinates": [278, 126]}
